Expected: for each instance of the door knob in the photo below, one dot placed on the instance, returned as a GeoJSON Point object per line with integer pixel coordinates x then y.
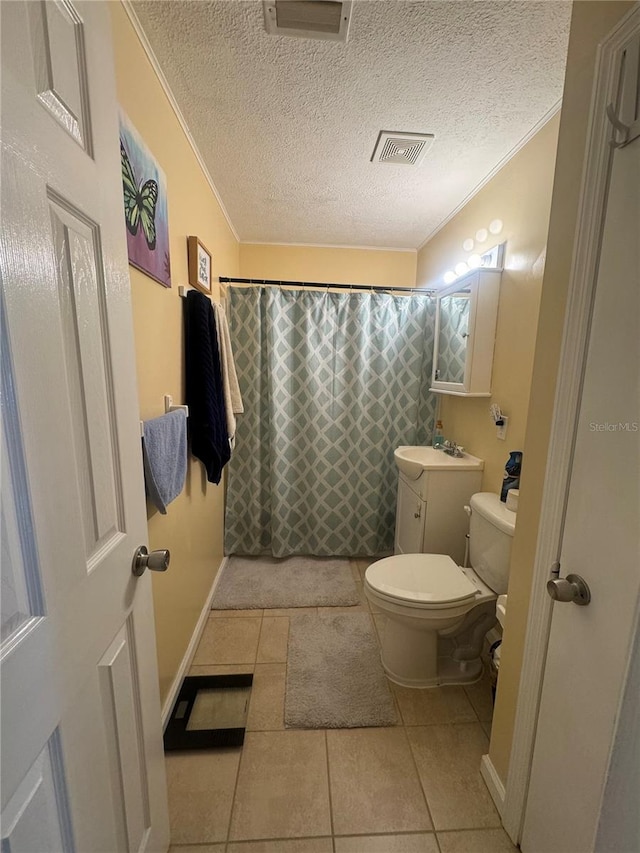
{"type": "Point", "coordinates": [156, 561]}
{"type": "Point", "coordinates": [572, 588]}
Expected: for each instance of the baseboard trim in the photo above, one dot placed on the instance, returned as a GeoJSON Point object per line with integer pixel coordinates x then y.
{"type": "Point", "coordinates": [185, 663]}
{"type": "Point", "coordinates": [493, 783]}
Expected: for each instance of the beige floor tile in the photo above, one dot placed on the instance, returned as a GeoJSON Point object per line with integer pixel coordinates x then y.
{"type": "Point", "coordinates": [448, 760]}
{"type": "Point", "coordinates": [476, 841]}
{"type": "Point", "coordinates": [486, 728]}
{"type": "Point", "coordinates": [433, 706]}
{"type": "Point", "coordinates": [197, 848]}
{"type": "Point", "coordinates": [222, 669]}
{"type": "Point", "coordinates": [282, 787]}
{"type": "Point", "coordinates": [480, 697]}
{"type": "Point", "coordinates": [379, 621]}
{"type": "Point", "coordinates": [233, 614]}
{"type": "Point", "coordinates": [289, 611]}
{"type": "Point", "coordinates": [266, 709]}
{"type": "Point", "coordinates": [374, 785]}
{"type": "Point", "coordinates": [274, 638]}
{"type": "Point", "coordinates": [419, 843]}
{"type": "Point", "coordinates": [290, 845]}
{"type": "Point", "coordinates": [228, 641]}
{"type": "Point", "coordinates": [201, 786]}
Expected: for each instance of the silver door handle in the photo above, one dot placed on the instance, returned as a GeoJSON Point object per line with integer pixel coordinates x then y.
{"type": "Point", "coordinates": [572, 588]}
{"type": "Point", "coordinates": [156, 561]}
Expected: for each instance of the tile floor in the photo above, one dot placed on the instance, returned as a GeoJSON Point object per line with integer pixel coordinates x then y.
{"type": "Point", "coordinates": [410, 788]}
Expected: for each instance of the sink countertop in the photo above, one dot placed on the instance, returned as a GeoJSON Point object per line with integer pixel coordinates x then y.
{"type": "Point", "coordinates": [412, 461]}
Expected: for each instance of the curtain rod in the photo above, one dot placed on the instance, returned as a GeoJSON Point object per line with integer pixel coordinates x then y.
{"type": "Point", "coordinates": [325, 285]}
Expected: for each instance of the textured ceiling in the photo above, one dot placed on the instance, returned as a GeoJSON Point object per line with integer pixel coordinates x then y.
{"type": "Point", "coordinates": [287, 126]}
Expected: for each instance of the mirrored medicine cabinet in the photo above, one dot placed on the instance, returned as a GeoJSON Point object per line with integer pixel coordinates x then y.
{"type": "Point", "coordinates": [466, 317]}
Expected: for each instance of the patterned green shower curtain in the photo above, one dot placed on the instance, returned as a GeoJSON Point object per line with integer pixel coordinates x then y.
{"type": "Point", "coordinates": [331, 383]}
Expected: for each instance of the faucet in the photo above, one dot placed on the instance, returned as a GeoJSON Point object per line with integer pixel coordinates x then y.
{"type": "Point", "coordinates": [453, 449]}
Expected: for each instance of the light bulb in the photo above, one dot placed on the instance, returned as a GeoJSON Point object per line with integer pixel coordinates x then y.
{"type": "Point", "coordinates": [468, 245]}
{"type": "Point", "coordinates": [461, 268]}
{"type": "Point", "coordinates": [496, 226]}
{"type": "Point", "coordinates": [474, 262]}
{"type": "Point", "coordinates": [482, 235]}
{"type": "Point", "coordinates": [449, 277]}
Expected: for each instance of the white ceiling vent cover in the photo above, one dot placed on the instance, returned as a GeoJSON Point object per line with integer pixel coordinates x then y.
{"type": "Point", "coordinates": [409, 149]}
{"type": "Point", "coordinates": [309, 19]}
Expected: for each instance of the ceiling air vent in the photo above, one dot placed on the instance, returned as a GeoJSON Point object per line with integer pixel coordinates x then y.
{"type": "Point", "coordinates": [309, 19]}
{"type": "Point", "coordinates": [407, 148]}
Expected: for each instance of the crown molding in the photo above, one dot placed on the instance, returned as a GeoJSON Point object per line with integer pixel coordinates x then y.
{"type": "Point", "coordinates": [146, 46]}
{"type": "Point", "coordinates": [327, 246]}
{"type": "Point", "coordinates": [546, 118]}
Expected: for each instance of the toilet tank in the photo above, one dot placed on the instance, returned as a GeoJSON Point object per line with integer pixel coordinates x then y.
{"type": "Point", "coordinates": [490, 538]}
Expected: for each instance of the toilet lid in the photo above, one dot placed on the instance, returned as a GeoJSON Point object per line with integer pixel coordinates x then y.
{"type": "Point", "coordinates": [423, 578]}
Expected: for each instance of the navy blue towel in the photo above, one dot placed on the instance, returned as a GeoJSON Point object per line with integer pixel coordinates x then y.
{"type": "Point", "coordinates": [205, 397]}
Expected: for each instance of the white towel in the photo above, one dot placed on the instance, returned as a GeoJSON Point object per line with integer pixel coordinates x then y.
{"type": "Point", "coordinates": [231, 390]}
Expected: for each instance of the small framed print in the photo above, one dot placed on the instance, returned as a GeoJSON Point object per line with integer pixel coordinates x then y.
{"type": "Point", "coordinates": [199, 259]}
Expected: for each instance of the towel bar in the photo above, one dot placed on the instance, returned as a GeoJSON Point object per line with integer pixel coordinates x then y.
{"type": "Point", "coordinates": [168, 407]}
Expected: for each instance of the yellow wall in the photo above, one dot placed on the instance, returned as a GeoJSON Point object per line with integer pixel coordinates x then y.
{"type": "Point", "coordinates": [192, 528]}
{"type": "Point", "coordinates": [328, 264]}
{"type": "Point", "coordinates": [591, 21]}
{"type": "Point", "coordinates": [519, 195]}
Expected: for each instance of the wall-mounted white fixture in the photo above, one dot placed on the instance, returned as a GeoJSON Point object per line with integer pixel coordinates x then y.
{"type": "Point", "coordinates": [500, 420]}
{"type": "Point", "coordinates": [327, 20]}
{"type": "Point", "coordinates": [493, 259]}
{"type": "Point", "coordinates": [481, 235]}
{"type": "Point", "coordinates": [496, 226]}
{"type": "Point", "coordinates": [406, 149]}
{"type": "Point", "coordinates": [468, 245]}
{"type": "Point", "coordinates": [473, 297]}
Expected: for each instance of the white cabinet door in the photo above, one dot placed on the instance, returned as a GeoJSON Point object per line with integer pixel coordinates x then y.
{"type": "Point", "coordinates": [82, 760]}
{"type": "Point", "coordinates": [411, 512]}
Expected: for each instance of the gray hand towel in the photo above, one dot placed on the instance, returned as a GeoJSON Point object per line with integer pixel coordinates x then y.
{"type": "Point", "coordinates": [165, 457]}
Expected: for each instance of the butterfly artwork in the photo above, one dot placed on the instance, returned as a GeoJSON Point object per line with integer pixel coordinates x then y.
{"type": "Point", "coordinates": [145, 206]}
{"type": "Point", "coordinates": [139, 201]}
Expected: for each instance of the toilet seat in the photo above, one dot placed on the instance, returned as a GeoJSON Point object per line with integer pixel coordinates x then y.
{"type": "Point", "coordinates": [425, 581]}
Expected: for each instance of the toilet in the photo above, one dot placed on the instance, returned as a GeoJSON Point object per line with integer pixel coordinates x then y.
{"type": "Point", "coordinates": [436, 613]}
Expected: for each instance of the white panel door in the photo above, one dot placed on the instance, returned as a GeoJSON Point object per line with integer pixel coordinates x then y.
{"type": "Point", "coordinates": [589, 646]}
{"type": "Point", "coordinates": [82, 759]}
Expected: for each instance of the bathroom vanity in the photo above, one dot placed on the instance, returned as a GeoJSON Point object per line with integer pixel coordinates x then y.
{"type": "Point", "coordinates": [433, 490]}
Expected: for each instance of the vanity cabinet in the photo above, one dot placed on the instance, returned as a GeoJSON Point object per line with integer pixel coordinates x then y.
{"type": "Point", "coordinates": [466, 317]}
{"type": "Point", "coordinates": [430, 515]}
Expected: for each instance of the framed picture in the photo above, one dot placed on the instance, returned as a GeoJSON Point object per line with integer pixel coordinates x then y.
{"type": "Point", "coordinates": [199, 259]}
{"type": "Point", "coordinates": [145, 206]}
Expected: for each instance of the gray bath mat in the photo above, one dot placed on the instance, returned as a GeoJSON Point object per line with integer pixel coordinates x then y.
{"type": "Point", "coordinates": [334, 676]}
{"type": "Point", "coordinates": [266, 582]}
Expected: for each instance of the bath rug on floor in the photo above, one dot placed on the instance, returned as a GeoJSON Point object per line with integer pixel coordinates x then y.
{"type": "Point", "coordinates": [248, 583]}
{"type": "Point", "coordinates": [334, 676]}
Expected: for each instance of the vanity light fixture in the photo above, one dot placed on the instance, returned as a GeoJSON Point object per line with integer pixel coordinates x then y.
{"type": "Point", "coordinates": [496, 226]}
{"type": "Point", "coordinates": [482, 235]}
{"type": "Point", "coordinates": [468, 245]}
{"type": "Point", "coordinates": [492, 259]}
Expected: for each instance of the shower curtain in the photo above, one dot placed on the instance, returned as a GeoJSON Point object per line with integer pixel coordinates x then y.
{"type": "Point", "coordinates": [332, 383]}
